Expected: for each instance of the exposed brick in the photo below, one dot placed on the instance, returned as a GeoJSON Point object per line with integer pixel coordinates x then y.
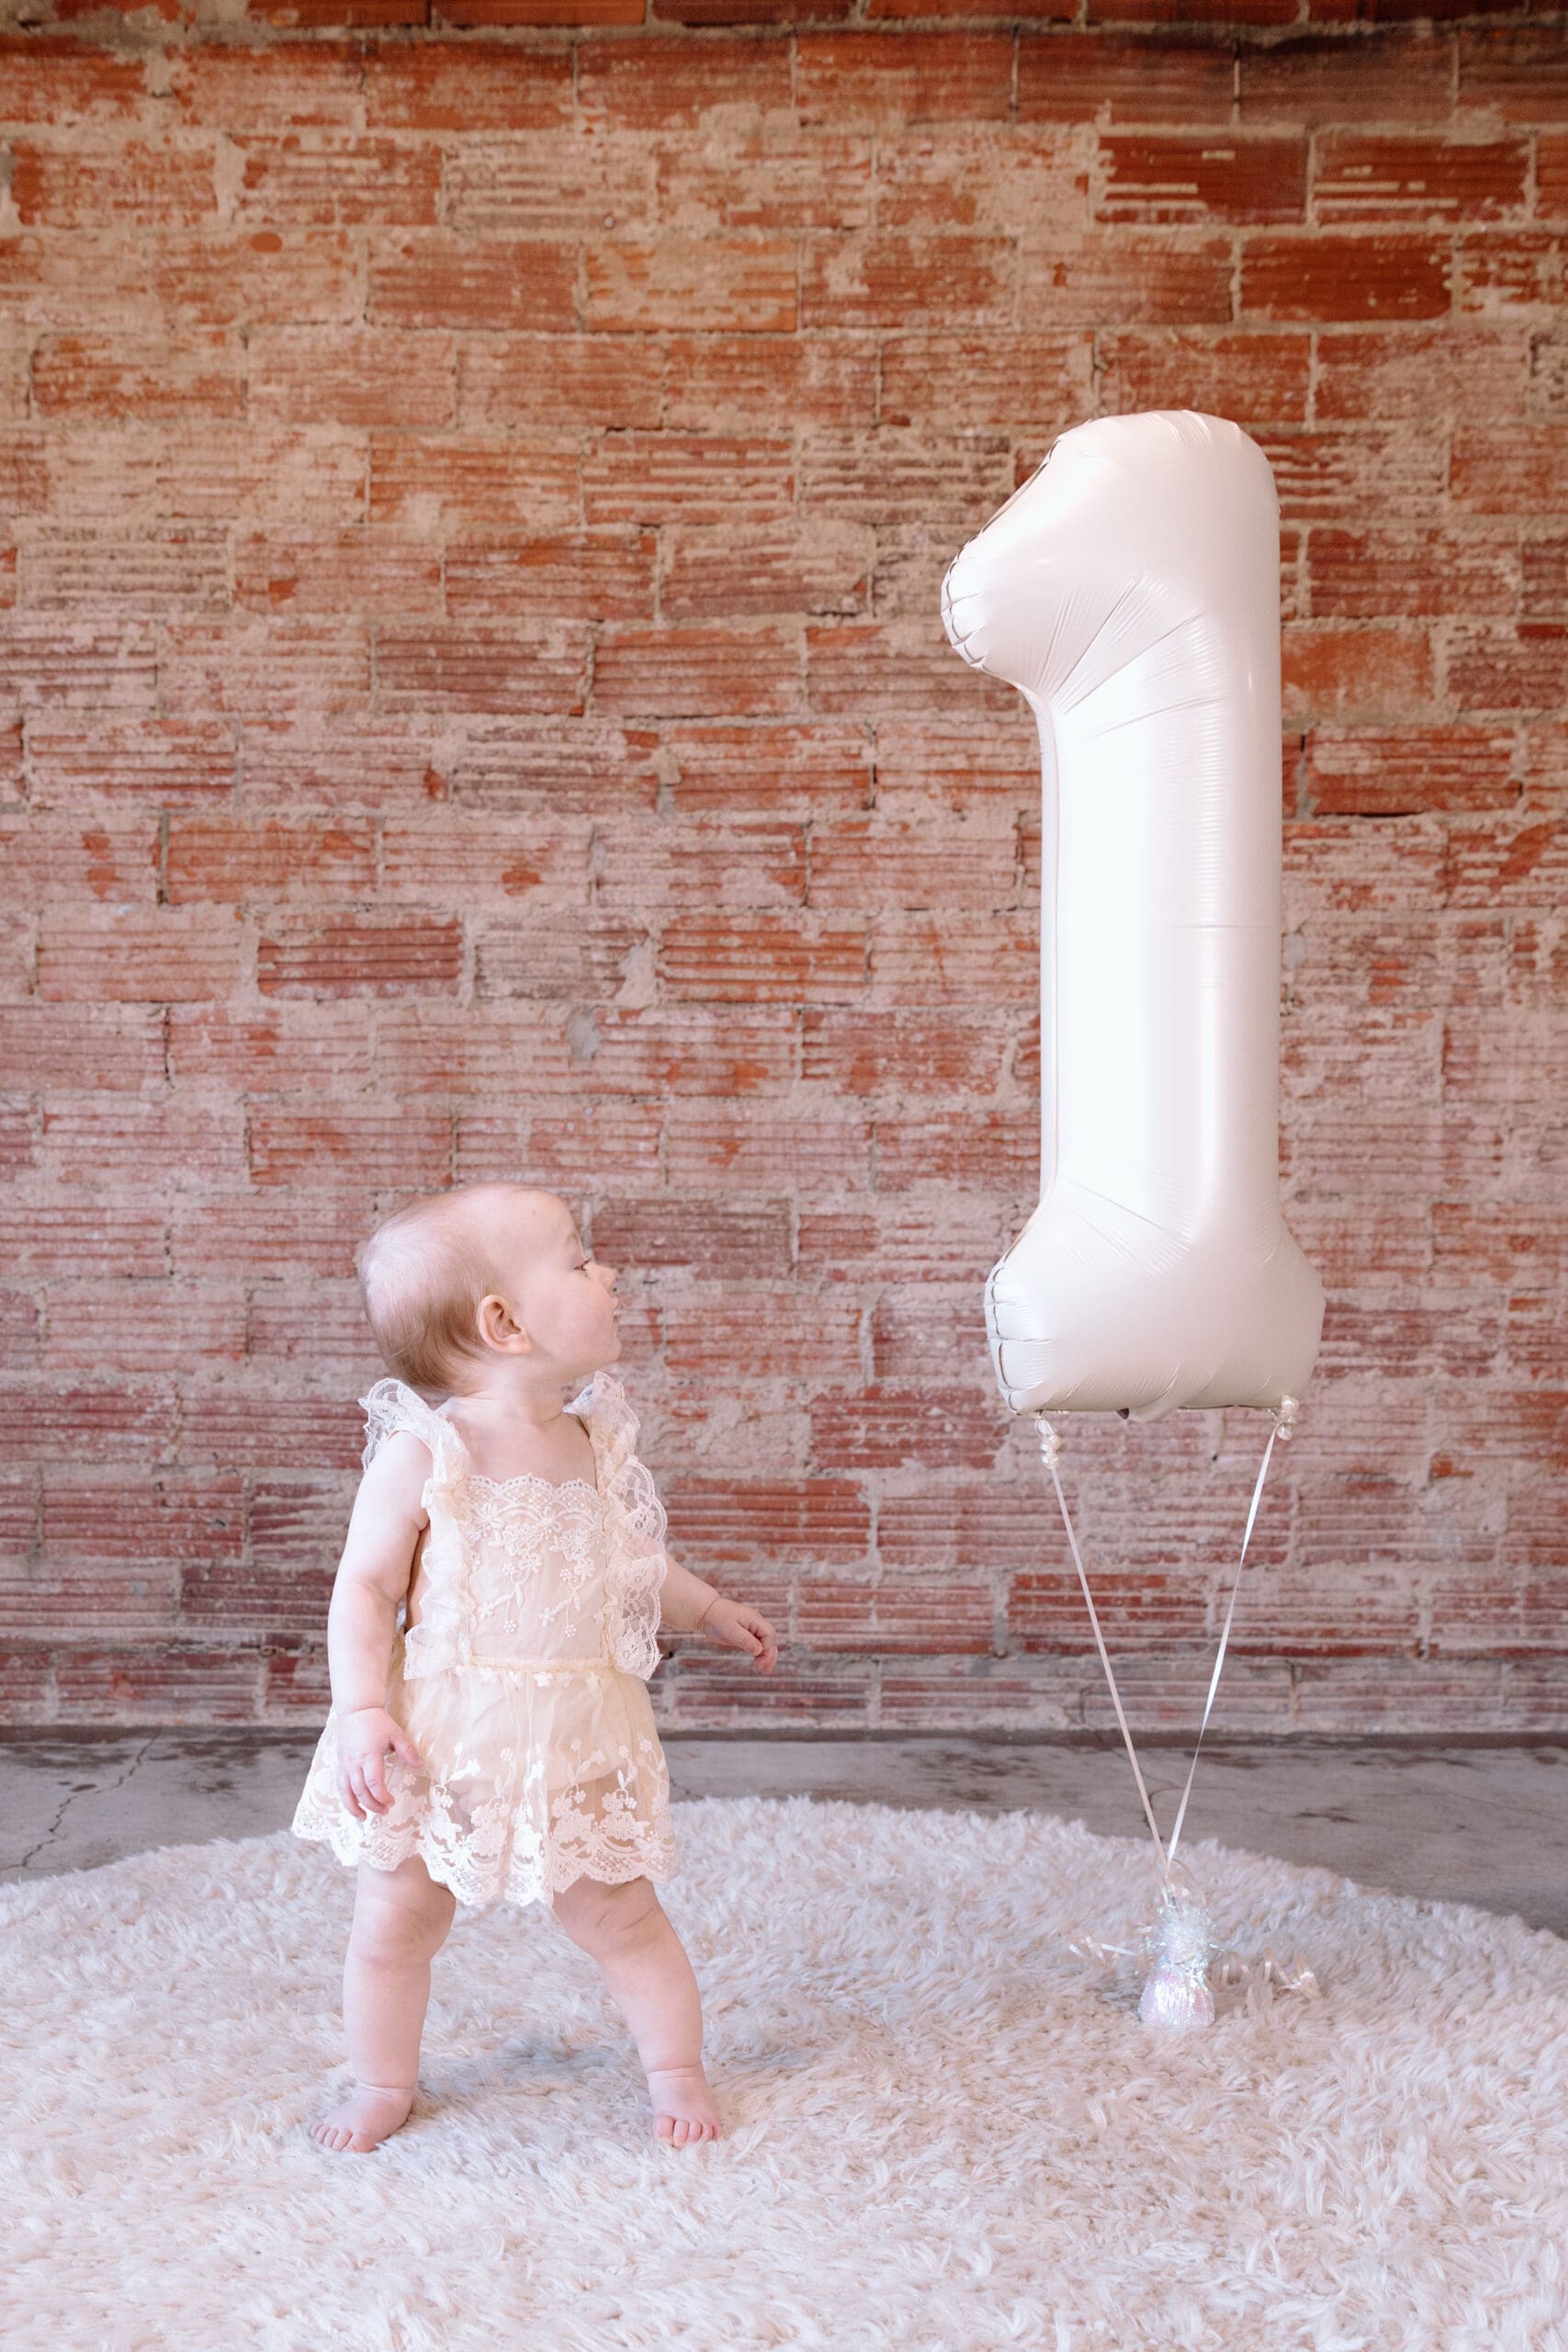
{"type": "Point", "coordinates": [585, 575]}
{"type": "Point", "coordinates": [1174, 280]}
{"type": "Point", "coordinates": [103, 1141]}
{"type": "Point", "coordinates": [458, 483]}
{"type": "Point", "coordinates": [288, 84]}
{"type": "Point", "coordinates": [76, 1045]}
{"type": "Point", "coordinates": [127, 954]}
{"type": "Point", "coordinates": [363, 376]}
{"type": "Point", "coordinates": [1513, 73]}
{"type": "Point", "coordinates": [389, 571]}
{"type": "Point", "coordinates": [393, 1146]}
{"type": "Point", "coordinates": [149, 1328]}
{"type": "Point", "coordinates": [755, 181]}
{"type": "Point", "coordinates": [61, 82]}
{"type": "Point", "coordinates": [228, 857]}
{"type": "Point", "coordinates": [1109, 77]}
{"type": "Point", "coordinates": [937, 1615]}
{"type": "Point", "coordinates": [171, 1518]}
{"type": "Point", "coordinates": [648, 479]}
{"type": "Point", "coordinates": [97, 665]}
{"type": "Point", "coordinates": [903, 78]}
{"type": "Point", "coordinates": [752, 1147]}
{"type": "Point", "coordinates": [733, 382]}
{"type": "Point", "coordinates": [488, 284]}
{"type": "Point", "coordinates": [64, 857]}
{"type": "Point", "coordinates": [478, 671]}
{"type": "Point", "coordinates": [871, 280]}
{"type": "Point", "coordinates": [328, 181]}
{"type": "Point", "coordinates": [817, 768]}
{"type": "Point", "coordinates": [674, 281]}
{"type": "Point", "coordinates": [696, 672]}
{"type": "Point", "coordinates": [1351, 771]}
{"type": "Point", "coordinates": [269, 1233]}
{"type": "Point", "coordinates": [162, 1683]}
{"type": "Point", "coordinates": [768, 958]}
{"type": "Point", "coordinates": [762, 1337]}
{"type": "Point", "coordinates": [461, 858]}
{"type": "Point", "coordinates": [588, 1146]}
{"type": "Point", "coordinates": [1318, 275]}
{"type": "Point", "coordinates": [662, 85]}
{"type": "Point", "coordinates": [250, 669]}
{"type": "Point", "coordinates": [710, 1238]}
{"type": "Point", "coordinates": [273, 1048]}
{"type": "Point", "coordinates": [340, 954]}
{"type": "Point", "coordinates": [1318, 80]}
{"type": "Point", "coordinates": [181, 380]}
{"type": "Point", "coordinates": [741, 864]}
{"type": "Point", "coordinates": [1171, 177]}
{"type": "Point", "coordinates": [591, 768]}
{"type": "Point", "coordinates": [560, 381]}
{"type": "Point", "coordinates": [71, 1234]}
{"type": "Point", "coordinates": [158, 186]}
{"type": "Point", "coordinates": [473, 702]}
{"type": "Point", "coordinates": [879, 1427]}
{"type": "Point", "coordinates": [991, 376]}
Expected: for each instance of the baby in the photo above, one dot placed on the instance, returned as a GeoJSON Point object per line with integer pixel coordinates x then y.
{"type": "Point", "coordinates": [492, 1739]}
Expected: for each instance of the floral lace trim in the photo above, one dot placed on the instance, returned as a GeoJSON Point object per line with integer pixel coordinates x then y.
{"type": "Point", "coordinates": [635, 1525]}
{"type": "Point", "coordinates": [635, 1520]}
{"type": "Point", "coordinates": [520, 1529]}
{"type": "Point", "coordinates": [497, 1853]}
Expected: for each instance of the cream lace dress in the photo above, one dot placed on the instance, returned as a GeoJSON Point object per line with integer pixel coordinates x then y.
{"type": "Point", "coordinates": [519, 1671]}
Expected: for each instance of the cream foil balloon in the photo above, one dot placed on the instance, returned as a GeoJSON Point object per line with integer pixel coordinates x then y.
{"type": "Point", "coordinates": [1130, 592]}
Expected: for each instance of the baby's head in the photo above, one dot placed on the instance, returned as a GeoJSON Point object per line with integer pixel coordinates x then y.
{"type": "Point", "coordinates": [487, 1282]}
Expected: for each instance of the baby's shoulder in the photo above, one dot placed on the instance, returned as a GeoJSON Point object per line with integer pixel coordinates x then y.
{"type": "Point", "coordinates": [395, 1476]}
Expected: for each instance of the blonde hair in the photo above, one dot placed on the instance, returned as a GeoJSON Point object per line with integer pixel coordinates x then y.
{"type": "Point", "coordinates": [422, 1274]}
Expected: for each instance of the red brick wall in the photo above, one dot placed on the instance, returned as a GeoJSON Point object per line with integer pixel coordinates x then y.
{"type": "Point", "coordinates": [473, 702]}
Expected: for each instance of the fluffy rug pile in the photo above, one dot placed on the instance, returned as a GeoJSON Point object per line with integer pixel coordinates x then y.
{"type": "Point", "coordinates": [946, 2128]}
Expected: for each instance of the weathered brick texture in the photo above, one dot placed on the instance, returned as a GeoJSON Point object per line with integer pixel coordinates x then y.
{"type": "Point", "coordinates": [474, 488]}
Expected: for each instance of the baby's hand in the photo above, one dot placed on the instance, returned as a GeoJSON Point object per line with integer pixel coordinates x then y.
{"type": "Point", "coordinates": [740, 1627]}
{"type": "Point", "coordinates": [362, 1740]}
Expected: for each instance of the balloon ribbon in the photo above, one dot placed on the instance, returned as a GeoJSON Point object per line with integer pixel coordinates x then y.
{"type": "Point", "coordinates": [1050, 1449]}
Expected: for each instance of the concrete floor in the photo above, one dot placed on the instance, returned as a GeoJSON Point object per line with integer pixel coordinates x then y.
{"type": "Point", "coordinates": [1486, 1825]}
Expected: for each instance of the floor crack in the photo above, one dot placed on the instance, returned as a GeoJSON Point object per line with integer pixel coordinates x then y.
{"type": "Point", "coordinates": [99, 1789]}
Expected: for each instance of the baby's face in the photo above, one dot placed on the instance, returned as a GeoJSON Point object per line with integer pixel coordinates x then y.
{"type": "Point", "coordinates": [563, 1298]}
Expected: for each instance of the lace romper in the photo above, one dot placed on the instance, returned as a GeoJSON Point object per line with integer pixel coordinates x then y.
{"type": "Point", "coordinates": [519, 1671]}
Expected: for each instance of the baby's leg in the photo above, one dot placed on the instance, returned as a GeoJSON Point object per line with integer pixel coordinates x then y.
{"type": "Point", "coordinates": [649, 1978]}
{"type": "Point", "coordinates": [400, 1920]}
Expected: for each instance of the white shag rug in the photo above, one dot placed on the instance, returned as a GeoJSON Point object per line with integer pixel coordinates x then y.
{"type": "Point", "coordinates": [945, 2127]}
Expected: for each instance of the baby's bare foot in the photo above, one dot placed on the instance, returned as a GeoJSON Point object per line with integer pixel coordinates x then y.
{"type": "Point", "coordinates": [682, 2104]}
{"type": "Point", "coordinates": [363, 2117]}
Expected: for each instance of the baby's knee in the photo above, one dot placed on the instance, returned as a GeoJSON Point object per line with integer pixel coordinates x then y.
{"type": "Point", "coordinates": [401, 1914]}
{"type": "Point", "coordinates": [596, 1915]}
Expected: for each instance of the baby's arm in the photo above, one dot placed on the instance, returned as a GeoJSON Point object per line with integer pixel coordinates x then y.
{"type": "Point", "coordinates": [689, 1605]}
{"type": "Point", "coordinates": [372, 1578]}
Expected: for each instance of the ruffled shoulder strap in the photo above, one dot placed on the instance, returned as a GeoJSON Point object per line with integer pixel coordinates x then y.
{"type": "Point", "coordinates": [392, 1405]}
{"type": "Point", "coordinates": [634, 1523]}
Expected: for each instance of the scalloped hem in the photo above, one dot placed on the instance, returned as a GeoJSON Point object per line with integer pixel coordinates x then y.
{"type": "Point", "coordinates": [479, 1890]}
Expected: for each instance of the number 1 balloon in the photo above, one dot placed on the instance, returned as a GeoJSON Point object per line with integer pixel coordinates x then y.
{"type": "Point", "coordinates": [1129, 591]}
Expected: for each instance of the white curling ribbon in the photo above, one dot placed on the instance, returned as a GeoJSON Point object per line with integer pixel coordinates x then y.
{"type": "Point", "coordinates": [1129, 591]}
{"type": "Point", "coordinates": [1050, 1443]}
{"type": "Point", "coordinates": [1229, 1967]}
{"type": "Point", "coordinates": [1177, 1990]}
